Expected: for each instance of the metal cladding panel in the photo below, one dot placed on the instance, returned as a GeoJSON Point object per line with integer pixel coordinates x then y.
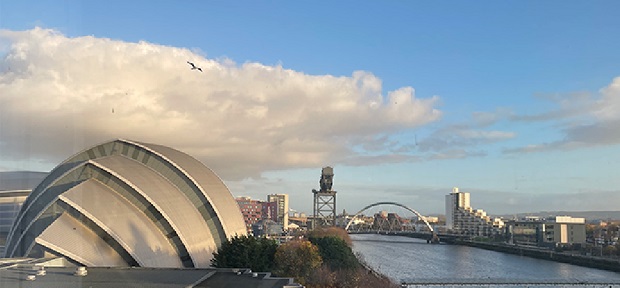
{"type": "Point", "coordinates": [124, 222]}
{"type": "Point", "coordinates": [213, 187]}
{"type": "Point", "coordinates": [172, 203]}
{"type": "Point", "coordinates": [71, 238]}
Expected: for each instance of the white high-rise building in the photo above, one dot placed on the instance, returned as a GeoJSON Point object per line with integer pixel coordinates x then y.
{"type": "Point", "coordinates": [454, 201]}
{"type": "Point", "coordinates": [461, 218]}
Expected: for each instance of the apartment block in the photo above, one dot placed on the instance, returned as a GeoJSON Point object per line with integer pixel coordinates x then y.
{"type": "Point", "coordinates": [252, 211]}
{"type": "Point", "coordinates": [462, 219]}
{"type": "Point", "coordinates": [282, 208]}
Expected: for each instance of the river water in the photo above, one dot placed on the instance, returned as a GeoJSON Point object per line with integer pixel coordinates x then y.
{"type": "Point", "coordinates": [404, 259]}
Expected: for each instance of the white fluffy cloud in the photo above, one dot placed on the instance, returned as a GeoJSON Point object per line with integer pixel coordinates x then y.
{"type": "Point", "coordinates": [585, 120]}
{"type": "Point", "coordinates": [609, 104]}
{"type": "Point", "coordinates": [59, 95]}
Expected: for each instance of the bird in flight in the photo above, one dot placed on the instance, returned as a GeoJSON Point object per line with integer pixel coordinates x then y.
{"type": "Point", "coordinates": [194, 66]}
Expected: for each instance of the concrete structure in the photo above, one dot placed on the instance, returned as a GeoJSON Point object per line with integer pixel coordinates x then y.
{"type": "Point", "coordinates": [462, 219]}
{"type": "Point", "coordinates": [282, 208]}
{"type": "Point", "coordinates": [58, 273]}
{"type": "Point", "coordinates": [324, 211]}
{"type": "Point", "coordinates": [558, 230]}
{"type": "Point", "coordinates": [126, 203]}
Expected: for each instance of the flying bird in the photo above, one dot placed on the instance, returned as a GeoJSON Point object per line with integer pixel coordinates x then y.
{"type": "Point", "coordinates": [194, 66]}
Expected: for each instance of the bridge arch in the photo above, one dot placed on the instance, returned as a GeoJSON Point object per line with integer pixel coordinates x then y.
{"type": "Point", "coordinates": [394, 204]}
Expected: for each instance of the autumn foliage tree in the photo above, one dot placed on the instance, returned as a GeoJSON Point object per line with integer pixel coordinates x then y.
{"type": "Point", "coordinates": [331, 231]}
{"type": "Point", "coordinates": [297, 259]}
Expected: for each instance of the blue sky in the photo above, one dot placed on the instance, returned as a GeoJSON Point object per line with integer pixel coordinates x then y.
{"type": "Point", "coordinates": [515, 102]}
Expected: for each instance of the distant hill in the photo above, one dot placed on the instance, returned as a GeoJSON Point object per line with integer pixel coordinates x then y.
{"type": "Point", "coordinates": [589, 215]}
{"type": "Point", "coordinates": [20, 180]}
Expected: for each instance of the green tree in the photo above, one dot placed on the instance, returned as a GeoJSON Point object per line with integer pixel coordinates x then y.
{"type": "Point", "coordinates": [335, 252]}
{"type": "Point", "coordinates": [246, 252]}
{"type": "Point", "coordinates": [297, 259]}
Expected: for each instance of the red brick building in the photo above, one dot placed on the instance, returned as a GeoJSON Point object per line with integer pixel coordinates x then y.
{"type": "Point", "coordinates": [252, 211]}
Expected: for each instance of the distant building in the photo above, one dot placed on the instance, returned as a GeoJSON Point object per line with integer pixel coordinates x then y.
{"type": "Point", "coordinates": [462, 219]}
{"type": "Point", "coordinates": [270, 211]}
{"type": "Point", "coordinates": [10, 203]}
{"type": "Point", "coordinates": [15, 186]}
{"type": "Point", "coordinates": [282, 208]}
{"type": "Point", "coordinates": [299, 220]}
{"type": "Point", "coordinates": [455, 201]}
{"type": "Point", "coordinates": [252, 211]}
{"type": "Point", "coordinates": [266, 227]}
{"type": "Point", "coordinates": [432, 219]}
{"type": "Point", "coordinates": [546, 232]}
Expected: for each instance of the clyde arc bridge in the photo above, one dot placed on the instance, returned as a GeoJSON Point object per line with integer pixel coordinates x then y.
{"type": "Point", "coordinates": [392, 223]}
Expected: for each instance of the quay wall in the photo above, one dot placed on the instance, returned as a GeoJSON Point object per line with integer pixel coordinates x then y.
{"type": "Point", "coordinates": [581, 260]}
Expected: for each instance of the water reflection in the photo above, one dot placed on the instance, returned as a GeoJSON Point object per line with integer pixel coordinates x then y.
{"type": "Point", "coordinates": [404, 259]}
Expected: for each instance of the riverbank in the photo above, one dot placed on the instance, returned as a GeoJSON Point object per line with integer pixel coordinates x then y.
{"type": "Point", "coordinates": [378, 279]}
{"type": "Point", "coordinates": [540, 253]}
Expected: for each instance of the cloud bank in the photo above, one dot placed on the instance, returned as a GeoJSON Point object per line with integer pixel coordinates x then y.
{"type": "Point", "coordinates": [584, 120]}
{"type": "Point", "coordinates": [59, 95]}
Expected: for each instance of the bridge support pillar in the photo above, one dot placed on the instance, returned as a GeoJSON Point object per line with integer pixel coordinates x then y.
{"type": "Point", "coordinates": [434, 239]}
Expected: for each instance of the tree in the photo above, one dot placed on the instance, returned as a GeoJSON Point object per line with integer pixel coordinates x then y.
{"type": "Point", "coordinates": [297, 259]}
{"type": "Point", "coordinates": [246, 252]}
{"type": "Point", "coordinates": [335, 252]}
{"type": "Point", "coordinates": [331, 231]}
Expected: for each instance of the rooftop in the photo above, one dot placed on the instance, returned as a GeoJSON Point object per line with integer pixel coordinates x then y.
{"type": "Point", "coordinates": [26, 273]}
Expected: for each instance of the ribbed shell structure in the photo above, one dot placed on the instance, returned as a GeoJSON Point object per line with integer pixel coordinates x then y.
{"type": "Point", "coordinates": [126, 203]}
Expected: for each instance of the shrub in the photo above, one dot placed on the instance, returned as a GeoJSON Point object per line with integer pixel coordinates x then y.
{"type": "Point", "coordinates": [246, 252]}
{"type": "Point", "coordinates": [335, 252]}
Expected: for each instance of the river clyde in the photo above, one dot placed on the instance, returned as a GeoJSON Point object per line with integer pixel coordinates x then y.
{"type": "Point", "coordinates": [407, 260]}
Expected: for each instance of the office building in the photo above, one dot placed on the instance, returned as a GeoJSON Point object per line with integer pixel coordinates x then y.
{"type": "Point", "coordinates": [15, 186]}
{"type": "Point", "coordinates": [270, 211]}
{"type": "Point", "coordinates": [552, 231]}
{"type": "Point", "coordinates": [282, 208]}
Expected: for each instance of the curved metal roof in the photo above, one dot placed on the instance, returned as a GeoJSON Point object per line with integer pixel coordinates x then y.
{"type": "Point", "coordinates": [153, 205]}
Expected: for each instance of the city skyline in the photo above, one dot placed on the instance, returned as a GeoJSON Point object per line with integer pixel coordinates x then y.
{"type": "Point", "coordinates": [517, 103]}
